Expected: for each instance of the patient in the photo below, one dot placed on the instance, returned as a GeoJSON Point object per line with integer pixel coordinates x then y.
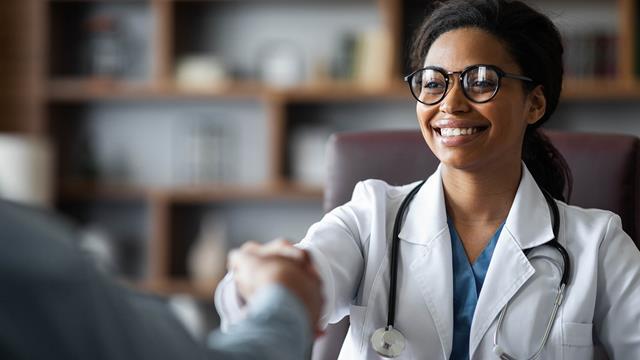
{"type": "Point", "coordinates": [55, 304]}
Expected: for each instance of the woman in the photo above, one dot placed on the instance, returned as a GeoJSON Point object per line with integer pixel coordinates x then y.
{"type": "Point", "coordinates": [490, 73]}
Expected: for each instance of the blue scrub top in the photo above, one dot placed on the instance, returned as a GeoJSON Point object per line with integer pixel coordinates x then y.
{"type": "Point", "coordinates": [467, 283]}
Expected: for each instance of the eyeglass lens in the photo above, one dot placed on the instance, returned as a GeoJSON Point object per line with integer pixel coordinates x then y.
{"type": "Point", "coordinates": [478, 83]}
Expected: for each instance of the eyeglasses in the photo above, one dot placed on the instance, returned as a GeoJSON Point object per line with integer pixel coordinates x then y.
{"type": "Point", "coordinates": [480, 83]}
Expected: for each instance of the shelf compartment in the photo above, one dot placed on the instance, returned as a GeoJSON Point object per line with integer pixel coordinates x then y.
{"type": "Point", "coordinates": [109, 38]}
{"type": "Point", "coordinates": [227, 225]}
{"type": "Point", "coordinates": [113, 233]}
{"type": "Point", "coordinates": [162, 144]}
{"type": "Point", "coordinates": [241, 38]}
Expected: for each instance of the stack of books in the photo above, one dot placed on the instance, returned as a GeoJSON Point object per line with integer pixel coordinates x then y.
{"type": "Point", "coordinates": [591, 54]}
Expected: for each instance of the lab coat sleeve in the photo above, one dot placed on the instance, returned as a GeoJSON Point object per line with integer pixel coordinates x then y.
{"type": "Point", "coordinates": [228, 303]}
{"type": "Point", "coordinates": [618, 297]}
{"type": "Point", "coordinates": [337, 246]}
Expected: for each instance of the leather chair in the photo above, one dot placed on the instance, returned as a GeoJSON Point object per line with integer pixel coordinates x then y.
{"type": "Point", "coordinates": [605, 168]}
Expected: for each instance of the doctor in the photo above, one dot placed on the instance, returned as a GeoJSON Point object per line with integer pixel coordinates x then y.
{"type": "Point", "coordinates": [476, 277]}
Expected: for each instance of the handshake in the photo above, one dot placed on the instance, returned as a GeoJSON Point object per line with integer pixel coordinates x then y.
{"type": "Point", "coordinates": [277, 263]}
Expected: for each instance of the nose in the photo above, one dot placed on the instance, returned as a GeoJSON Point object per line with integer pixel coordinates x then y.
{"type": "Point", "coordinates": [454, 100]}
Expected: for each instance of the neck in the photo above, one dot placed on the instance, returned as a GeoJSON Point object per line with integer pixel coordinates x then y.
{"type": "Point", "coordinates": [481, 196]}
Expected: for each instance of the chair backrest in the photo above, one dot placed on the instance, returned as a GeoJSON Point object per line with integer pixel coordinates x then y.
{"type": "Point", "coordinates": [605, 168]}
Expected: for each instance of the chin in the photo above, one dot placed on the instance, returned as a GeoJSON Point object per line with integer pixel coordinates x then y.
{"type": "Point", "coordinates": [464, 163]}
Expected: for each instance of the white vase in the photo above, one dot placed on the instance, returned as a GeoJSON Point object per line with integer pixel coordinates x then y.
{"type": "Point", "coordinates": [207, 256]}
{"type": "Point", "coordinates": [26, 169]}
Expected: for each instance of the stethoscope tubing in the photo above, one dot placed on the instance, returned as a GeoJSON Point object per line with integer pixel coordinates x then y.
{"type": "Point", "coordinates": [395, 248]}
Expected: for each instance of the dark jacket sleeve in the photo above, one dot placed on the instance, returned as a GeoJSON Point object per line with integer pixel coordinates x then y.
{"type": "Point", "coordinates": [54, 304]}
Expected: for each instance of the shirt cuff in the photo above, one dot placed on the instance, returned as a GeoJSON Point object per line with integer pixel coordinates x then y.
{"type": "Point", "coordinates": [277, 301]}
{"type": "Point", "coordinates": [228, 303]}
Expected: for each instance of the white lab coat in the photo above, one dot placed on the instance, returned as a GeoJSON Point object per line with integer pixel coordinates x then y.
{"type": "Point", "coordinates": [350, 246]}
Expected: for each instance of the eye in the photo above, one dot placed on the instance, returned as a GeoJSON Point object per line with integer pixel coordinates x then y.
{"type": "Point", "coordinates": [433, 85]}
{"type": "Point", "coordinates": [482, 85]}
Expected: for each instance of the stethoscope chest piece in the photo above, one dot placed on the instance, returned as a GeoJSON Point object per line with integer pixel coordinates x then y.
{"type": "Point", "coordinates": [388, 342]}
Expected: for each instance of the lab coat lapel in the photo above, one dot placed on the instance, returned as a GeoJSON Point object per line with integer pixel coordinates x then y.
{"type": "Point", "coordinates": [528, 225]}
{"type": "Point", "coordinates": [426, 224]}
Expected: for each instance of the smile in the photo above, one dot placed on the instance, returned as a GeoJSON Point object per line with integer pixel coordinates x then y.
{"type": "Point", "coordinates": [453, 132]}
{"type": "Point", "coordinates": [449, 132]}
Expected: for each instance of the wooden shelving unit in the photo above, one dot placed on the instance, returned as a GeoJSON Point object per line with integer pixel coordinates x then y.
{"type": "Point", "coordinates": [59, 86]}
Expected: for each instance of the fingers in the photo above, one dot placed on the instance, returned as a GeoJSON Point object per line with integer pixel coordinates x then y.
{"type": "Point", "coordinates": [247, 252]}
{"type": "Point", "coordinates": [278, 247]}
{"type": "Point", "coordinates": [282, 247]}
{"type": "Point", "coordinates": [257, 265]}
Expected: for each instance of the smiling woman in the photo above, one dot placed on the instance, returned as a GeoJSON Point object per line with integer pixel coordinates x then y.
{"type": "Point", "coordinates": [484, 258]}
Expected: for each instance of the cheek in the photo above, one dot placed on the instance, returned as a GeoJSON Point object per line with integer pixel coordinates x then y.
{"type": "Point", "coordinates": [425, 114]}
{"type": "Point", "coordinates": [508, 123]}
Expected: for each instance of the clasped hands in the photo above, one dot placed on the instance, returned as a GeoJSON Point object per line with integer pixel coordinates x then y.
{"type": "Point", "coordinates": [278, 262]}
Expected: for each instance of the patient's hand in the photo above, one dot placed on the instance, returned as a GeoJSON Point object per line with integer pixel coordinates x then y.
{"type": "Point", "coordinates": [280, 247]}
{"type": "Point", "coordinates": [256, 265]}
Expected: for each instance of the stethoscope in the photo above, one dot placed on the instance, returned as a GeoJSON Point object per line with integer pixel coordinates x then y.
{"type": "Point", "coordinates": [389, 342]}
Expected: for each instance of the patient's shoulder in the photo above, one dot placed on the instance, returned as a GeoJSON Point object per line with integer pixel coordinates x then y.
{"type": "Point", "coordinates": [37, 242]}
{"type": "Point", "coordinates": [18, 220]}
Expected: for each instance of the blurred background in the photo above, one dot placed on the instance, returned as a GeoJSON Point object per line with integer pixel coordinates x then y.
{"type": "Point", "coordinates": [171, 131]}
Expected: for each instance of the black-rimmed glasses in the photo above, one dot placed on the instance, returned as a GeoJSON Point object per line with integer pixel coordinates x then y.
{"type": "Point", "coordinates": [480, 83]}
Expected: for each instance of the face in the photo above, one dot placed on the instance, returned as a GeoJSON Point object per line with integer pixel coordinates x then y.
{"type": "Point", "coordinates": [497, 126]}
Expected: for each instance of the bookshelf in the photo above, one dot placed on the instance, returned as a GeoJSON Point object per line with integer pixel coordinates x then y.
{"type": "Point", "coordinates": [66, 97]}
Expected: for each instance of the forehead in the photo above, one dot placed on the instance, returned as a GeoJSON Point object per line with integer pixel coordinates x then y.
{"type": "Point", "coordinates": [456, 49]}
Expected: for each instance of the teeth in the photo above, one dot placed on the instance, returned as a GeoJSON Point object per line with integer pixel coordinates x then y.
{"type": "Point", "coordinates": [449, 132]}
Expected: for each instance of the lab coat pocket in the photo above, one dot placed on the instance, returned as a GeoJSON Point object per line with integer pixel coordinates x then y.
{"type": "Point", "coordinates": [357, 317]}
{"type": "Point", "coordinates": [577, 340]}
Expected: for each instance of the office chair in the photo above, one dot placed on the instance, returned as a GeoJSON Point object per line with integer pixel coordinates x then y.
{"type": "Point", "coordinates": [605, 168]}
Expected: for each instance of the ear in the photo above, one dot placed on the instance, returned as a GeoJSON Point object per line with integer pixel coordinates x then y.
{"type": "Point", "coordinates": [537, 104]}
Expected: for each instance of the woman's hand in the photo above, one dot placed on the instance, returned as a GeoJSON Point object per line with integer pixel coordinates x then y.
{"type": "Point", "coordinates": [277, 262]}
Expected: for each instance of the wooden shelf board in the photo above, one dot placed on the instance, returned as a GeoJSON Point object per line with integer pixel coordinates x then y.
{"type": "Point", "coordinates": [71, 190]}
{"type": "Point", "coordinates": [600, 89]}
{"type": "Point", "coordinates": [204, 193]}
{"type": "Point", "coordinates": [344, 92]}
{"type": "Point", "coordinates": [80, 90]}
